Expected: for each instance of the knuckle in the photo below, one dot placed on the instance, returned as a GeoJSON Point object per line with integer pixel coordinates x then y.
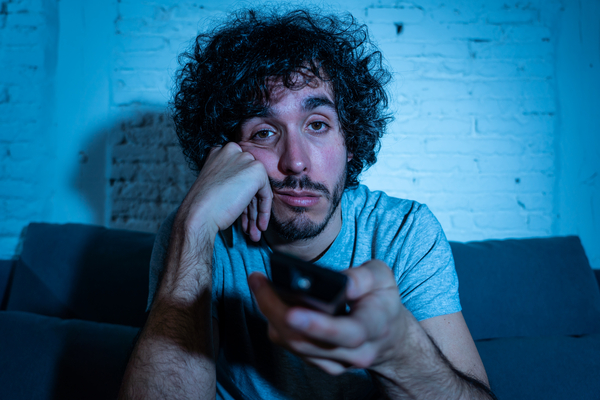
{"type": "Point", "coordinates": [358, 339]}
{"type": "Point", "coordinates": [364, 358]}
{"type": "Point", "coordinates": [232, 146]}
{"type": "Point", "coordinates": [246, 156]}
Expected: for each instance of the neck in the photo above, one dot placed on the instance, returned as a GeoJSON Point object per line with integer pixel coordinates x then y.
{"type": "Point", "coordinates": [308, 249]}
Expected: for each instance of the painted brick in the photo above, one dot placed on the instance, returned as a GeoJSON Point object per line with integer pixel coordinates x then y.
{"type": "Point", "coordinates": [507, 51]}
{"type": "Point", "coordinates": [197, 13]}
{"type": "Point", "coordinates": [538, 144]}
{"type": "Point", "coordinates": [515, 164]}
{"type": "Point", "coordinates": [432, 31]}
{"type": "Point", "coordinates": [539, 106]}
{"type": "Point", "coordinates": [527, 33]}
{"type": "Point", "coordinates": [434, 125]}
{"type": "Point", "coordinates": [402, 49]}
{"type": "Point", "coordinates": [535, 202]}
{"type": "Point", "coordinates": [499, 220]}
{"type": "Point", "coordinates": [513, 88]}
{"type": "Point", "coordinates": [462, 221]}
{"type": "Point", "coordinates": [446, 69]}
{"type": "Point", "coordinates": [32, 20]}
{"type": "Point", "coordinates": [540, 223]}
{"type": "Point", "coordinates": [141, 10]}
{"type": "Point", "coordinates": [424, 164]}
{"type": "Point", "coordinates": [521, 126]}
{"type": "Point", "coordinates": [402, 13]}
{"type": "Point", "coordinates": [514, 16]}
{"type": "Point", "coordinates": [138, 97]}
{"type": "Point", "coordinates": [156, 26]}
{"type": "Point", "coordinates": [433, 89]}
{"type": "Point", "coordinates": [129, 152]}
{"type": "Point", "coordinates": [149, 61]}
{"type": "Point", "coordinates": [456, 14]}
{"type": "Point", "coordinates": [137, 44]}
{"type": "Point", "coordinates": [149, 171]}
{"type": "Point", "coordinates": [474, 146]}
{"type": "Point", "coordinates": [471, 107]}
{"type": "Point", "coordinates": [512, 69]}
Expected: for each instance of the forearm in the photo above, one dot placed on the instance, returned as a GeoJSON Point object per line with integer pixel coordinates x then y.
{"type": "Point", "coordinates": [425, 373]}
{"type": "Point", "coordinates": [174, 354]}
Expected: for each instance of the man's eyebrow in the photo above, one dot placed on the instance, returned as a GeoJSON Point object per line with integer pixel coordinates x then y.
{"type": "Point", "coordinates": [311, 103]}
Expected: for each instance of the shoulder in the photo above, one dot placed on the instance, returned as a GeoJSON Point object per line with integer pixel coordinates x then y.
{"type": "Point", "coordinates": [379, 211]}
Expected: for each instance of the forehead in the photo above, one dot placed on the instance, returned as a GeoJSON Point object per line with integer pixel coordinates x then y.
{"type": "Point", "coordinates": [309, 92]}
{"type": "Point", "coordinates": [299, 81]}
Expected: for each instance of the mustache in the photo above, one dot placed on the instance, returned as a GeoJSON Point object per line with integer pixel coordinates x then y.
{"type": "Point", "coordinates": [293, 182]}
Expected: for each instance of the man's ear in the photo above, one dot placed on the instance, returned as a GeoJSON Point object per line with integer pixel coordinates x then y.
{"type": "Point", "coordinates": [350, 155]}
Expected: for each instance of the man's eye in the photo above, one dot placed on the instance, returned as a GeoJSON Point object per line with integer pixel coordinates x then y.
{"type": "Point", "coordinates": [264, 134]}
{"type": "Point", "coordinates": [318, 125]}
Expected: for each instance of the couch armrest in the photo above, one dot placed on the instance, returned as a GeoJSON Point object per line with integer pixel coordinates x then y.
{"type": "Point", "coordinates": [6, 269]}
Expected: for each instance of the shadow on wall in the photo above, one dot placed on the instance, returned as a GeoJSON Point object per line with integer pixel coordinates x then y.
{"type": "Point", "coordinates": [134, 174]}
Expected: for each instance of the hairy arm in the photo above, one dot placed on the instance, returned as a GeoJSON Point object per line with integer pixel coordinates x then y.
{"type": "Point", "coordinates": [425, 371]}
{"type": "Point", "coordinates": [175, 353]}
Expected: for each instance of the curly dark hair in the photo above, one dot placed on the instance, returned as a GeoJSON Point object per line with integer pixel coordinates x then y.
{"type": "Point", "coordinates": [223, 80]}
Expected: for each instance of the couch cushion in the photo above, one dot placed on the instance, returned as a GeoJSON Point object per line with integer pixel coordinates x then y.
{"type": "Point", "coordinates": [49, 358]}
{"type": "Point", "coordinates": [527, 287]}
{"type": "Point", "coordinates": [544, 368]}
{"type": "Point", "coordinates": [84, 272]}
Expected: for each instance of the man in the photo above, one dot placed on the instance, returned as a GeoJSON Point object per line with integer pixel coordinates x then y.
{"type": "Point", "coordinates": [280, 113]}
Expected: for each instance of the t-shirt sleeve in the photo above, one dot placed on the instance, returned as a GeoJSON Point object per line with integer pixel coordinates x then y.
{"type": "Point", "coordinates": [425, 272]}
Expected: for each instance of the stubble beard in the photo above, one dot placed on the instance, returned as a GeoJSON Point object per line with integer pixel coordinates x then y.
{"type": "Point", "coordinates": [300, 226]}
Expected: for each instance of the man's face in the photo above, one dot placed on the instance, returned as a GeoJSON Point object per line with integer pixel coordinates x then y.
{"type": "Point", "coordinates": [301, 145]}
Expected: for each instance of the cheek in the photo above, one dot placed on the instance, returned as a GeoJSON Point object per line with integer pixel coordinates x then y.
{"type": "Point", "coordinates": [335, 159]}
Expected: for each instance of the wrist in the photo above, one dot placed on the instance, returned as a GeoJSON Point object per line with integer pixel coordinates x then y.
{"type": "Point", "coordinates": [188, 265]}
{"type": "Point", "coordinates": [413, 353]}
{"type": "Point", "coordinates": [194, 223]}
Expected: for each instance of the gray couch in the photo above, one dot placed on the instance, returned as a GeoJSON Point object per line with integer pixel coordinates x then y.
{"type": "Point", "coordinates": [73, 302]}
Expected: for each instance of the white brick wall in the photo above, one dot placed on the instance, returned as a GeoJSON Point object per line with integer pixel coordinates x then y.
{"type": "Point", "coordinates": [473, 94]}
{"type": "Point", "coordinates": [474, 97]}
{"type": "Point", "coordinates": [476, 109]}
{"type": "Point", "coordinates": [28, 32]}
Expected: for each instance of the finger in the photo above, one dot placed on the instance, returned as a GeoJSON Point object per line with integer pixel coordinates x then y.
{"type": "Point", "coordinates": [214, 150]}
{"type": "Point", "coordinates": [245, 220]}
{"type": "Point", "coordinates": [269, 304]}
{"type": "Point", "coordinates": [329, 366]}
{"type": "Point", "coordinates": [346, 332]}
{"type": "Point", "coordinates": [253, 230]}
{"type": "Point", "coordinates": [371, 276]}
{"type": "Point", "coordinates": [340, 359]}
{"type": "Point", "coordinates": [231, 146]}
{"type": "Point", "coordinates": [264, 200]}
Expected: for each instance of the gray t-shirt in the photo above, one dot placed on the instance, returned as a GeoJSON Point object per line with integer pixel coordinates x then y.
{"type": "Point", "coordinates": [402, 233]}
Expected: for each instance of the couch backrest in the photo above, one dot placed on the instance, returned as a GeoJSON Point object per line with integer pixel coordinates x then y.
{"type": "Point", "coordinates": [508, 288]}
{"type": "Point", "coordinates": [82, 271]}
{"type": "Point", "coordinates": [527, 287]}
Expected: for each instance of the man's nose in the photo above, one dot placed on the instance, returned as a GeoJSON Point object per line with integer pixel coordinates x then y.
{"type": "Point", "coordinates": [294, 159]}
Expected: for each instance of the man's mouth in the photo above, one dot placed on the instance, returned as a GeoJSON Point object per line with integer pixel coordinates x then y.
{"type": "Point", "coordinates": [298, 198]}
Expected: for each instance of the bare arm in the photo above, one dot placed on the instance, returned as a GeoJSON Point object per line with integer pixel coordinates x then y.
{"type": "Point", "coordinates": [175, 354]}
{"type": "Point", "coordinates": [456, 372]}
{"type": "Point", "coordinates": [380, 334]}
